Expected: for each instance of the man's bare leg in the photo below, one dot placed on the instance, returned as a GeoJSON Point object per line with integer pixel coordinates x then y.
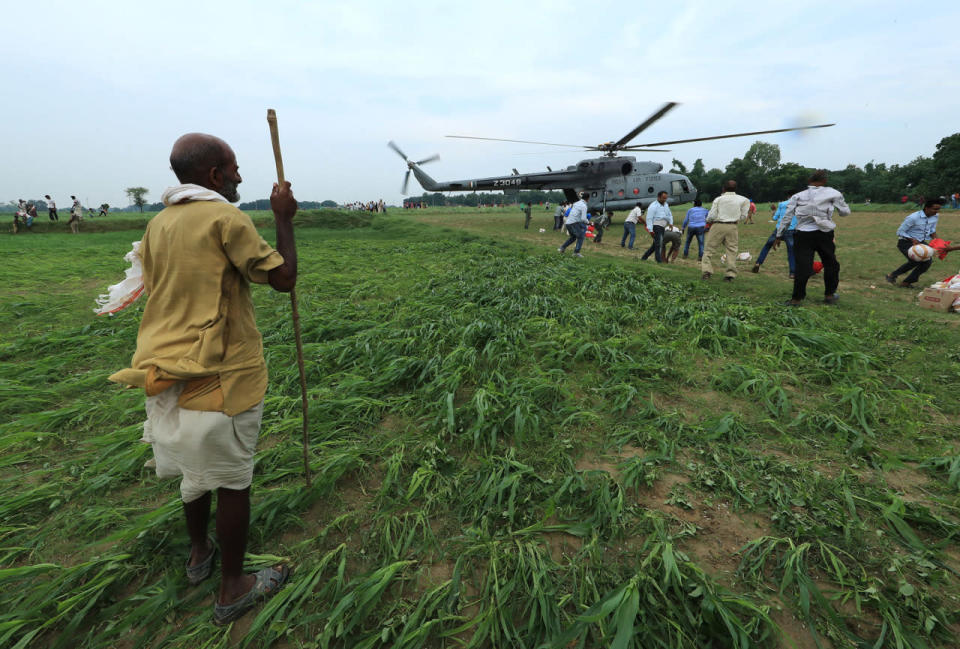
{"type": "Point", "coordinates": [233, 521]}
{"type": "Point", "coordinates": [197, 513]}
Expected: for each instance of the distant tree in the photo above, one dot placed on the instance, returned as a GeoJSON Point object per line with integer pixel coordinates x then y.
{"type": "Point", "coordinates": [678, 167]}
{"type": "Point", "coordinates": [328, 203]}
{"type": "Point", "coordinates": [137, 196]}
{"type": "Point", "coordinates": [763, 155]}
{"type": "Point", "coordinates": [946, 164]}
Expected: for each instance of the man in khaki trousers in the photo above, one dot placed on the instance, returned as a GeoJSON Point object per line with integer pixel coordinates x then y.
{"type": "Point", "coordinates": [725, 213]}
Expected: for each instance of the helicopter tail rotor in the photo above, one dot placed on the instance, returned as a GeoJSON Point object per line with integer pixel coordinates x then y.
{"type": "Point", "coordinates": [410, 164]}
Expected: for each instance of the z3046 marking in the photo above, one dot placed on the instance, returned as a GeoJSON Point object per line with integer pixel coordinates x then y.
{"type": "Point", "coordinates": [506, 182]}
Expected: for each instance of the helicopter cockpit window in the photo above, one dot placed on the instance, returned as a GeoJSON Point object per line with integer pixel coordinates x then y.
{"type": "Point", "coordinates": [679, 187]}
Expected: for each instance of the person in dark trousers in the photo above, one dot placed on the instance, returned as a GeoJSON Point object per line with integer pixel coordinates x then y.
{"type": "Point", "coordinates": [576, 222]}
{"type": "Point", "coordinates": [814, 208]}
{"type": "Point", "coordinates": [600, 224]}
{"type": "Point", "coordinates": [558, 215]}
{"type": "Point", "coordinates": [919, 227]}
{"type": "Point", "coordinates": [52, 207]}
{"type": "Point", "coordinates": [695, 225]}
{"type": "Point", "coordinates": [778, 211]}
{"type": "Point", "coordinates": [526, 216]}
{"type": "Point", "coordinates": [658, 218]}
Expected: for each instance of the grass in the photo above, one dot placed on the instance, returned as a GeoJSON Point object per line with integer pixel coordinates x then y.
{"type": "Point", "coordinates": [509, 448]}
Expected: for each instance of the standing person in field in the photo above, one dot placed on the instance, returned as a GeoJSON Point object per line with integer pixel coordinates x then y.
{"type": "Point", "coordinates": [200, 358]}
{"type": "Point", "coordinates": [726, 211]}
{"type": "Point", "coordinates": [558, 216]}
{"type": "Point", "coordinates": [526, 216]}
{"type": "Point", "coordinates": [814, 208]}
{"type": "Point", "coordinates": [919, 227]}
{"type": "Point", "coordinates": [76, 215]}
{"type": "Point", "coordinates": [630, 226]}
{"type": "Point", "coordinates": [576, 222]}
{"type": "Point", "coordinates": [52, 208]}
{"type": "Point", "coordinates": [695, 224]}
{"type": "Point", "coordinates": [779, 209]}
{"type": "Point", "coordinates": [104, 209]}
{"type": "Point", "coordinates": [751, 211]}
{"type": "Point", "coordinates": [658, 218]}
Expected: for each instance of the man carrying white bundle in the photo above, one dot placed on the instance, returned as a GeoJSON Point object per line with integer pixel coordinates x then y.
{"type": "Point", "coordinates": [200, 358]}
{"type": "Point", "coordinates": [918, 228]}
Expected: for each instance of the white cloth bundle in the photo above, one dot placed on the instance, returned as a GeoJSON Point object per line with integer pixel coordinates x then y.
{"type": "Point", "coordinates": [120, 296]}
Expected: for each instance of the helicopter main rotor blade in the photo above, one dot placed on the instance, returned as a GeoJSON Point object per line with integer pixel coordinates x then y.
{"type": "Point", "coordinates": [426, 160]}
{"type": "Point", "coordinates": [723, 137]}
{"type": "Point", "coordinates": [497, 139]}
{"type": "Point", "coordinates": [406, 180]}
{"type": "Point", "coordinates": [666, 108]}
{"type": "Point", "coordinates": [394, 146]}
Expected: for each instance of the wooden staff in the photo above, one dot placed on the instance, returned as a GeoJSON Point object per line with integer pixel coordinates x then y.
{"type": "Point", "coordinates": [275, 139]}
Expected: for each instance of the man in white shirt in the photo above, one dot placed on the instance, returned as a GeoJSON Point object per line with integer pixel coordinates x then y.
{"type": "Point", "coordinates": [814, 208]}
{"type": "Point", "coordinates": [630, 225]}
{"type": "Point", "coordinates": [726, 211]}
{"type": "Point", "coordinates": [658, 218]}
{"type": "Point", "coordinates": [52, 207]}
{"type": "Point", "coordinates": [576, 223]}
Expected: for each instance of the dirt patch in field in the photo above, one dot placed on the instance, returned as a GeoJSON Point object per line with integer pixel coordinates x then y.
{"type": "Point", "coordinates": [610, 462]}
{"type": "Point", "coordinates": [561, 545]}
{"type": "Point", "coordinates": [720, 535]}
{"type": "Point", "coordinates": [795, 633]}
{"type": "Point", "coordinates": [909, 482]}
{"type": "Point", "coordinates": [721, 532]}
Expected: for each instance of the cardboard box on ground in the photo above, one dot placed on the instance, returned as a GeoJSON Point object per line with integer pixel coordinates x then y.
{"type": "Point", "coordinates": [939, 299]}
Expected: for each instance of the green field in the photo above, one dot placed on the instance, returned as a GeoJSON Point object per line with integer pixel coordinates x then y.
{"type": "Point", "coordinates": [510, 448]}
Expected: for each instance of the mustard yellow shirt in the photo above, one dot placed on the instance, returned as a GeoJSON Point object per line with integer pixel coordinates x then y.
{"type": "Point", "coordinates": [199, 258]}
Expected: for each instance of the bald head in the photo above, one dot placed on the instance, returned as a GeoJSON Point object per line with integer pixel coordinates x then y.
{"type": "Point", "coordinates": [730, 186]}
{"type": "Point", "coordinates": [207, 161]}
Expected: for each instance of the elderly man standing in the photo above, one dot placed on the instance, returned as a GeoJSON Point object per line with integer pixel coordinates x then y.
{"type": "Point", "coordinates": [814, 208]}
{"type": "Point", "coordinates": [726, 211]}
{"type": "Point", "coordinates": [200, 358]}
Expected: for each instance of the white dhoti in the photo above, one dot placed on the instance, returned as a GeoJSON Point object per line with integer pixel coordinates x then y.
{"type": "Point", "coordinates": [208, 449]}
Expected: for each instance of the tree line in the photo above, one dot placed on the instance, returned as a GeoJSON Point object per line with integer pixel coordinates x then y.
{"type": "Point", "coordinates": [762, 176]}
{"type": "Point", "coordinates": [759, 174]}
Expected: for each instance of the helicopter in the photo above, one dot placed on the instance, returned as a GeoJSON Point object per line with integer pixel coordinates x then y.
{"type": "Point", "coordinates": [613, 182]}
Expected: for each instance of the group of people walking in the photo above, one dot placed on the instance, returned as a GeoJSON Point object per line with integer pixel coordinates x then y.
{"type": "Point", "coordinates": [804, 222]}
{"type": "Point", "coordinates": [26, 214]}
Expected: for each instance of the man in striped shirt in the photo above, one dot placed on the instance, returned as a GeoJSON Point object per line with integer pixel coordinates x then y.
{"type": "Point", "coordinates": [814, 208]}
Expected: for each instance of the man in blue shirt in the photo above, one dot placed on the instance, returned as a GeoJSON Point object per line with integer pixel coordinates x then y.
{"type": "Point", "coordinates": [695, 224]}
{"type": "Point", "coordinates": [919, 227]}
{"type": "Point", "coordinates": [780, 209]}
{"type": "Point", "coordinates": [576, 223]}
{"type": "Point", "coordinates": [658, 218]}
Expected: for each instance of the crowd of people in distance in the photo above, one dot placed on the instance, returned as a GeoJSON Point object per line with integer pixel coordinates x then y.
{"type": "Point", "coordinates": [370, 206]}
{"type": "Point", "coordinates": [26, 214]}
{"type": "Point", "coordinates": [804, 222]}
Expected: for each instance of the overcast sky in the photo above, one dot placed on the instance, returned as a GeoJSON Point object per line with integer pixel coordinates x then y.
{"type": "Point", "coordinates": [98, 91]}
